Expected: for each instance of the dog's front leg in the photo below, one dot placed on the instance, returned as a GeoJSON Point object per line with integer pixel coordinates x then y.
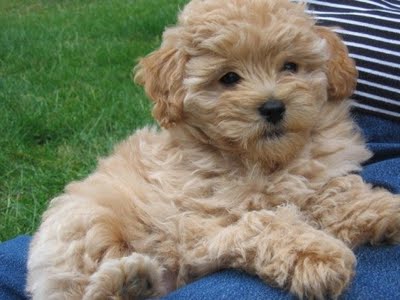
{"type": "Point", "coordinates": [280, 248]}
{"type": "Point", "coordinates": [356, 213]}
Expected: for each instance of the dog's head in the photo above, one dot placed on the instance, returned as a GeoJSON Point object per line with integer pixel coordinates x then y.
{"type": "Point", "coordinates": [247, 76]}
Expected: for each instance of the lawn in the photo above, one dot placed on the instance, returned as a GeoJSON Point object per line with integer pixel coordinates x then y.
{"type": "Point", "coordinates": [66, 94]}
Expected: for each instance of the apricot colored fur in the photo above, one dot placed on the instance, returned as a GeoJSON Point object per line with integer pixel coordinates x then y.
{"type": "Point", "coordinates": [217, 187]}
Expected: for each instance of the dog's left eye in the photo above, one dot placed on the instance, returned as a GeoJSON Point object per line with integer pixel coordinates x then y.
{"type": "Point", "coordinates": [290, 67]}
{"type": "Point", "coordinates": [230, 78]}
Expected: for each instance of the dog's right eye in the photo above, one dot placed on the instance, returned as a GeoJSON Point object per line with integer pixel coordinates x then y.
{"type": "Point", "coordinates": [230, 78]}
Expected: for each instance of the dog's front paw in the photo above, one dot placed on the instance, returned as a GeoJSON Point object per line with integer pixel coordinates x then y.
{"type": "Point", "coordinates": [321, 274]}
{"type": "Point", "coordinates": [386, 226]}
{"type": "Point", "coordinates": [133, 277]}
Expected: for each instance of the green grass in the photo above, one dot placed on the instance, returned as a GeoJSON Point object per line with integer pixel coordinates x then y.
{"type": "Point", "coordinates": [66, 96]}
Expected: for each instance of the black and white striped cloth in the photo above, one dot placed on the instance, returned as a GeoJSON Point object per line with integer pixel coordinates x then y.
{"type": "Point", "coordinates": [371, 31]}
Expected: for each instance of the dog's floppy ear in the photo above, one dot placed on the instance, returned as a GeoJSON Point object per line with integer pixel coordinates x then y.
{"type": "Point", "coordinates": [161, 74]}
{"type": "Point", "coordinates": [341, 70]}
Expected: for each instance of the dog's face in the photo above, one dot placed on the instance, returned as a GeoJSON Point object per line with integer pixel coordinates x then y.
{"type": "Point", "coordinates": [247, 76]}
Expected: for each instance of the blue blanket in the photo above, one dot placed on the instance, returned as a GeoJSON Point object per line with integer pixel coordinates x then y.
{"type": "Point", "coordinates": [13, 256]}
{"type": "Point", "coordinates": [378, 269]}
{"type": "Point", "coordinates": [377, 277]}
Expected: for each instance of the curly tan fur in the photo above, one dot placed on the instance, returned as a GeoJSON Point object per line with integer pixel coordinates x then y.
{"type": "Point", "coordinates": [219, 186]}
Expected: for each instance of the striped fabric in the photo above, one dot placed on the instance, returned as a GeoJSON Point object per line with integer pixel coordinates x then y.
{"type": "Point", "coordinates": [371, 30]}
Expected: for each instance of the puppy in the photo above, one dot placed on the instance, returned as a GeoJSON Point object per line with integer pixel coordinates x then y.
{"type": "Point", "coordinates": [254, 168]}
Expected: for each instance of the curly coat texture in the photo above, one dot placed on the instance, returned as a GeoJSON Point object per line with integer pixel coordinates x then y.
{"type": "Point", "coordinates": [219, 186]}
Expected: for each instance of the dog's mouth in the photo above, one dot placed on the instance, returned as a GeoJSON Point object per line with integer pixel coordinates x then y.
{"type": "Point", "coordinates": [274, 134]}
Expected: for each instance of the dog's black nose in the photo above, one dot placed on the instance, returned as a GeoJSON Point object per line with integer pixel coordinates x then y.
{"type": "Point", "coordinates": [272, 110]}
